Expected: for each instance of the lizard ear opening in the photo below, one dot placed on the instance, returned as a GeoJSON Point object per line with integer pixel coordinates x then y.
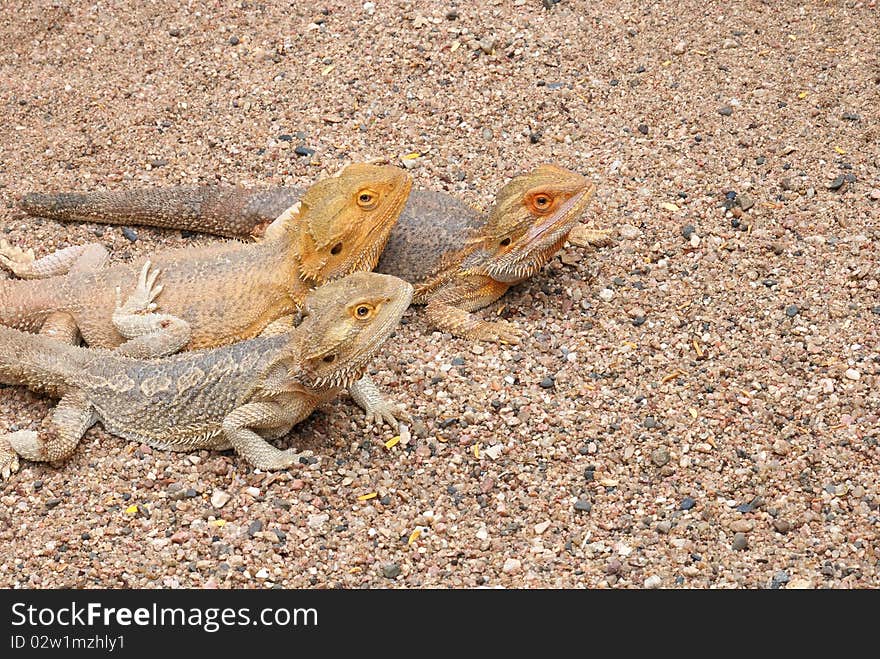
{"type": "Point", "coordinates": [336, 249]}
{"type": "Point", "coordinates": [329, 359]}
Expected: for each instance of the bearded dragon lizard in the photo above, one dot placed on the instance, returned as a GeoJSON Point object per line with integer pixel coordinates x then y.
{"type": "Point", "coordinates": [236, 396]}
{"type": "Point", "coordinates": [458, 259]}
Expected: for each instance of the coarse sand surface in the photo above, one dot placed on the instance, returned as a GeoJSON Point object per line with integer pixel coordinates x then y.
{"type": "Point", "coordinates": [694, 406]}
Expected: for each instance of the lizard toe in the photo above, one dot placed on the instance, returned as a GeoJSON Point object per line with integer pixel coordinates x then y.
{"type": "Point", "coordinates": [8, 459]}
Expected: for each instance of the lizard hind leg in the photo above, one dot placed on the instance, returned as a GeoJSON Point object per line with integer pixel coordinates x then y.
{"type": "Point", "coordinates": [59, 437]}
{"type": "Point", "coordinates": [150, 334]}
{"type": "Point", "coordinates": [61, 326]}
{"type": "Point", "coordinates": [77, 258]}
{"type": "Point", "coordinates": [238, 428]}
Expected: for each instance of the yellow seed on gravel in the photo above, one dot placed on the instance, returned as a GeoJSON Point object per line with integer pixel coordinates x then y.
{"type": "Point", "coordinates": [391, 443]}
{"type": "Point", "coordinates": [368, 496]}
{"type": "Point", "coordinates": [670, 207]}
{"type": "Point", "coordinates": [667, 62]}
{"type": "Point", "coordinates": [411, 156]}
{"type": "Point", "coordinates": [131, 510]}
{"type": "Point", "coordinates": [477, 451]}
{"type": "Point", "coordinates": [219, 523]}
{"type": "Point", "coordinates": [802, 95]}
{"type": "Point", "coordinates": [415, 535]}
{"type": "Point", "coordinates": [455, 46]}
{"type": "Point", "coordinates": [697, 348]}
{"type": "Point", "coordinates": [354, 570]}
{"type": "Point", "coordinates": [693, 412]}
{"type": "Point", "coordinates": [839, 150]}
{"type": "Point", "coordinates": [328, 69]}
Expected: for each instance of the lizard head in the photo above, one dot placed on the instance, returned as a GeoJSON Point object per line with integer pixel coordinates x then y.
{"type": "Point", "coordinates": [530, 220]}
{"type": "Point", "coordinates": [344, 221]}
{"type": "Point", "coordinates": [344, 325]}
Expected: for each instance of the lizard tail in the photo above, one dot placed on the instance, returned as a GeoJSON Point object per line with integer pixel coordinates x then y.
{"type": "Point", "coordinates": [223, 211]}
{"type": "Point", "coordinates": [38, 362]}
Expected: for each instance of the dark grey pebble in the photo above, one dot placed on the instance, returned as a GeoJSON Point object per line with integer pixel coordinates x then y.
{"type": "Point", "coordinates": [638, 321]}
{"type": "Point", "coordinates": [590, 474]}
{"type": "Point", "coordinates": [548, 383]}
{"type": "Point", "coordinates": [740, 542]}
{"type": "Point", "coordinates": [650, 422]}
{"type": "Point", "coordinates": [234, 41]}
{"type": "Point", "coordinates": [304, 151]}
{"type": "Point", "coordinates": [583, 505]}
{"type": "Point", "coordinates": [51, 503]}
{"type": "Point", "coordinates": [255, 527]}
{"type": "Point", "coordinates": [876, 310]}
{"type": "Point", "coordinates": [836, 184]}
{"type": "Point", "coordinates": [687, 231]}
{"type": "Point", "coordinates": [792, 310]}
{"type": "Point", "coordinates": [535, 137]}
{"type": "Point", "coordinates": [687, 503]}
{"type": "Point", "coordinates": [129, 233]}
{"type": "Point", "coordinates": [726, 111]}
{"type": "Point", "coordinates": [174, 32]}
{"type": "Point", "coordinates": [760, 160]}
{"type": "Point", "coordinates": [391, 570]}
{"type": "Point", "coordinates": [385, 501]}
{"type": "Point", "coordinates": [643, 129]}
{"type": "Point", "coordinates": [286, 138]}
{"type": "Point", "coordinates": [457, 361]}
{"type": "Point", "coordinates": [780, 578]}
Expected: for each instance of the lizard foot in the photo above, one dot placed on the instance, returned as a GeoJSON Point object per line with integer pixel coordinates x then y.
{"type": "Point", "coordinates": [385, 412]}
{"type": "Point", "coordinates": [141, 299]}
{"type": "Point", "coordinates": [15, 259]}
{"type": "Point", "coordinates": [27, 444]}
{"type": "Point", "coordinates": [498, 331]}
{"type": "Point", "coordinates": [8, 458]}
{"type": "Point", "coordinates": [581, 236]}
{"type": "Point", "coordinates": [280, 460]}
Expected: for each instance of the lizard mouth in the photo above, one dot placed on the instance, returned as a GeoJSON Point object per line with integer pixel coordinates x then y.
{"type": "Point", "coordinates": [536, 247]}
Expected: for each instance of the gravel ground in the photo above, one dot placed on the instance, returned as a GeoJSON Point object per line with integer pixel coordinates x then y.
{"type": "Point", "coordinates": [696, 405]}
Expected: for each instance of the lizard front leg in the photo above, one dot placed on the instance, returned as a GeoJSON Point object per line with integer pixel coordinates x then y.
{"type": "Point", "coordinates": [240, 425]}
{"type": "Point", "coordinates": [150, 334]}
{"type": "Point", "coordinates": [77, 258]}
{"type": "Point", "coordinates": [450, 307]}
{"type": "Point", "coordinates": [60, 435]}
{"type": "Point", "coordinates": [366, 394]}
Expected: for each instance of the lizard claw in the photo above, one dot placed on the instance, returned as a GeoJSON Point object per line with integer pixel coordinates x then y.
{"type": "Point", "coordinates": [389, 413]}
{"type": "Point", "coordinates": [15, 259]}
{"type": "Point", "coordinates": [502, 331]}
{"type": "Point", "coordinates": [8, 459]}
{"type": "Point", "coordinates": [141, 299]}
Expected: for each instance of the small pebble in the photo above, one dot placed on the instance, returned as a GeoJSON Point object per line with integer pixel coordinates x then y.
{"type": "Point", "coordinates": [687, 231]}
{"type": "Point", "coordinates": [511, 566]}
{"type": "Point", "coordinates": [606, 294]}
{"type": "Point", "coordinates": [219, 498]}
{"type": "Point", "coordinates": [687, 503]}
{"type": "Point", "coordinates": [629, 232]}
{"type": "Point", "coordinates": [782, 525]}
{"type": "Point", "coordinates": [548, 383]}
{"type": "Point", "coordinates": [391, 570]}
{"type": "Point", "coordinates": [129, 233]}
{"type": "Point", "coordinates": [852, 374]}
{"type": "Point", "coordinates": [650, 422]}
{"type": "Point", "coordinates": [304, 151]}
{"type": "Point", "coordinates": [255, 527]}
{"type": "Point", "coordinates": [583, 505]}
{"type": "Point", "coordinates": [740, 542]}
{"type": "Point", "coordinates": [792, 310]}
{"type": "Point", "coordinates": [726, 111]}
{"type": "Point", "coordinates": [837, 183]}
{"type": "Point", "coordinates": [653, 581]}
{"type": "Point", "coordinates": [660, 456]}
{"type": "Point", "coordinates": [643, 129]}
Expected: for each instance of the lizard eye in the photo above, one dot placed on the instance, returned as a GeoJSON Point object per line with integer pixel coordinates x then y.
{"type": "Point", "coordinates": [336, 249]}
{"type": "Point", "coordinates": [505, 242]}
{"type": "Point", "coordinates": [329, 359]}
{"type": "Point", "coordinates": [541, 202]}
{"type": "Point", "coordinates": [367, 199]}
{"type": "Point", "coordinates": [363, 311]}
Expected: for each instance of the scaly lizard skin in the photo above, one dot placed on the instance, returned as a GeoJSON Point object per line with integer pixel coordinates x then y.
{"type": "Point", "coordinates": [459, 260]}
{"type": "Point", "coordinates": [224, 292]}
{"type": "Point", "coordinates": [235, 396]}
